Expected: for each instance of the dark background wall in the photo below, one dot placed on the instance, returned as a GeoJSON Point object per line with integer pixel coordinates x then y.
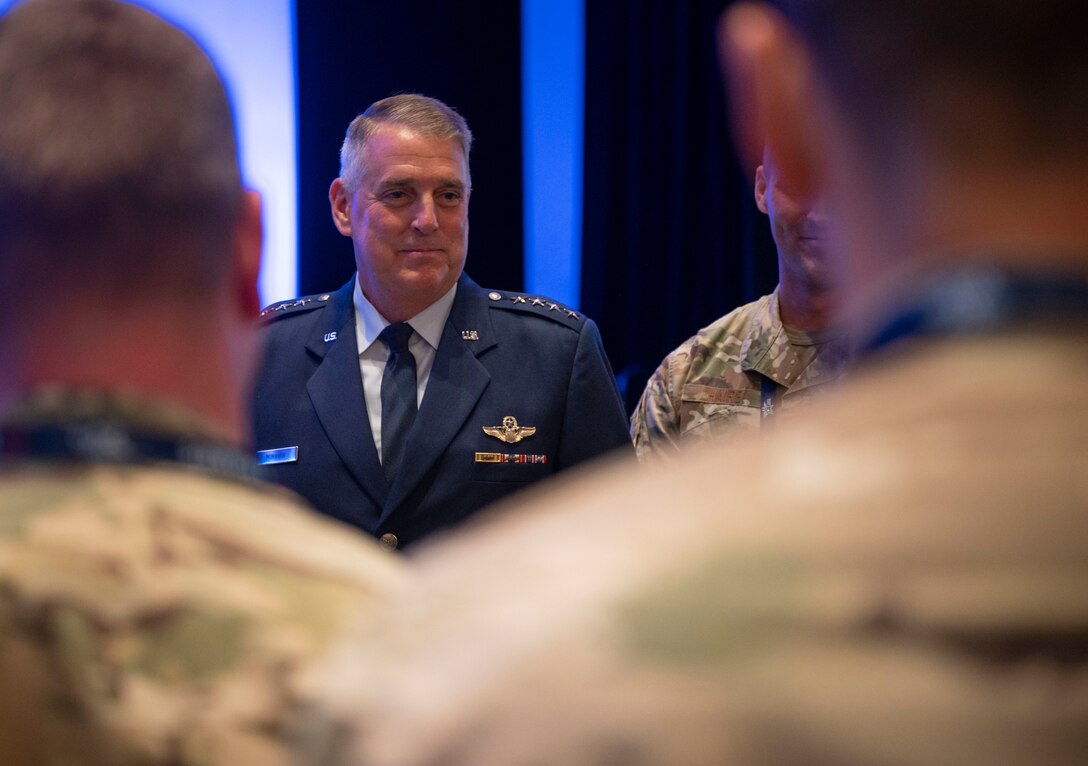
{"type": "Point", "coordinates": [671, 236]}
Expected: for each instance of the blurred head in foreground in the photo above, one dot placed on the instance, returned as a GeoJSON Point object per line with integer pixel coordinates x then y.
{"type": "Point", "coordinates": [158, 604]}
{"type": "Point", "coordinates": [897, 577]}
{"type": "Point", "coordinates": [942, 134]}
{"type": "Point", "coordinates": [129, 249]}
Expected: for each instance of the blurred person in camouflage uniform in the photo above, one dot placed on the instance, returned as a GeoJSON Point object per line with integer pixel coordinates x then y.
{"type": "Point", "coordinates": [157, 604]}
{"type": "Point", "coordinates": [897, 574]}
{"type": "Point", "coordinates": [764, 357]}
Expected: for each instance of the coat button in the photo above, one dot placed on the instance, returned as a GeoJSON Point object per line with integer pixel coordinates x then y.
{"type": "Point", "coordinates": [388, 541]}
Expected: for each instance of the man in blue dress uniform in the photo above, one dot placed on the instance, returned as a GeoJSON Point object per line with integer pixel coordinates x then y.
{"type": "Point", "coordinates": [494, 389]}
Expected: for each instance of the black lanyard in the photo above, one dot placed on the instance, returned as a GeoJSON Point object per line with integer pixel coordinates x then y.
{"type": "Point", "coordinates": [978, 300]}
{"type": "Point", "coordinates": [109, 443]}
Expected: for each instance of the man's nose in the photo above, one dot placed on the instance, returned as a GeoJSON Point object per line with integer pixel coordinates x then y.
{"type": "Point", "coordinates": [817, 214]}
{"type": "Point", "coordinates": [426, 219]}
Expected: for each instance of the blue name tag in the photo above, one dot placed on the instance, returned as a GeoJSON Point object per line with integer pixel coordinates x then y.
{"type": "Point", "coordinates": [273, 456]}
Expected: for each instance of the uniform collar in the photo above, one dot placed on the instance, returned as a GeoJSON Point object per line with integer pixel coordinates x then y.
{"type": "Point", "coordinates": [429, 323]}
{"type": "Point", "coordinates": [767, 349]}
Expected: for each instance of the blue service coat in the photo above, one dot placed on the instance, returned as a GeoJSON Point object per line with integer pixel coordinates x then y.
{"type": "Point", "coordinates": [502, 355]}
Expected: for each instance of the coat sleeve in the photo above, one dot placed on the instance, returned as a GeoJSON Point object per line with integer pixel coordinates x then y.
{"type": "Point", "coordinates": [655, 423]}
{"type": "Point", "coordinates": [594, 420]}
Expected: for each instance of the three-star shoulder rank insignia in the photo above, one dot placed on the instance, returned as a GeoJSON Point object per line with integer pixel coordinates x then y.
{"type": "Point", "coordinates": [510, 432]}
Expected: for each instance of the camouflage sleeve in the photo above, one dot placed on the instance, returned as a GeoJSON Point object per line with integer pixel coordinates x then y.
{"type": "Point", "coordinates": [655, 423]}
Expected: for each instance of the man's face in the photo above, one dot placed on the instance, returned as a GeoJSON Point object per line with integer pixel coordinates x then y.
{"type": "Point", "coordinates": [799, 229]}
{"type": "Point", "coordinates": [408, 220]}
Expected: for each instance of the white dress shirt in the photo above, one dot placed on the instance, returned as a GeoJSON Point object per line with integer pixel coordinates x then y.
{"type": "Point", "coordinates": [427, 325]}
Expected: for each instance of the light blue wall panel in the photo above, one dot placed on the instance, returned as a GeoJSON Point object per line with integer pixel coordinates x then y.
{"type": "Point", "coordinates": [553, 64]}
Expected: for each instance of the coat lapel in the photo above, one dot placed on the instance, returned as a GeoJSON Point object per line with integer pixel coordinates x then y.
{"type": "Point", "coordinates": [457, 382]}
{"type": "Point", "coordinates": [336, 392]}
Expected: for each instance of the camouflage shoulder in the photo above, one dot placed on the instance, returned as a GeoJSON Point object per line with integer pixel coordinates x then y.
{"type": "Point", "coordinates": [759, 315]}
{"type": "Point", "coordinates": [537, 305]}
{"type": "Point", "coordinates": [294, 306]}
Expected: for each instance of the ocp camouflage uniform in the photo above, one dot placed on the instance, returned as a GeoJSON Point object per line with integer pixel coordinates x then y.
{"type": "Point", "coordinates": [160, 614]}
{"type": "Point", "coordinates": [892, 579]}
{"type": "Point", "coordinates": [714, 383]}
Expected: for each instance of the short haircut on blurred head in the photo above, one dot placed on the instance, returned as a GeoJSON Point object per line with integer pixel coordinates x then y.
{"type": "Point", "coordinates": [980, 78]}
{"type": "Point", "coordinates": [118, 157]}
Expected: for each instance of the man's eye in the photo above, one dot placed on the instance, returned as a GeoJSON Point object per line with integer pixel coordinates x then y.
{"type": "Point", "coordinates": [396, 197]}
{"type": "Point", "coordinates": [449, 198]}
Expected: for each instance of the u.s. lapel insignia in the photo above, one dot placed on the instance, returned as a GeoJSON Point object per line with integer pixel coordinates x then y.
{"type": "Point", "coordinates": [330, 337]}
{"type": "Point", "coordinates": [469, 335]}
{"type": "Point", "coordinates": [510, 432]}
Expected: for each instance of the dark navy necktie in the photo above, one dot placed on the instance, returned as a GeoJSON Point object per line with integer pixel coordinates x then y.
{"type": "Point", "coordinates": [398, 396]}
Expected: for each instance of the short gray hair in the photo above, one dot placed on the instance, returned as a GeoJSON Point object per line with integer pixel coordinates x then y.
{"type": "Point", "coordinates": [425, 115]}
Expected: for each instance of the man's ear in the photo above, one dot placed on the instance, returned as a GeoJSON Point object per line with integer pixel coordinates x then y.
{"type": "Point", "coordinates": [767, 73]}
{"type": "Point", "coordinates": [246, 265]}
{"type": "Point", "coordinates": [340, 203]}
{"type": "Point", "coordinates": [761, 189]}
